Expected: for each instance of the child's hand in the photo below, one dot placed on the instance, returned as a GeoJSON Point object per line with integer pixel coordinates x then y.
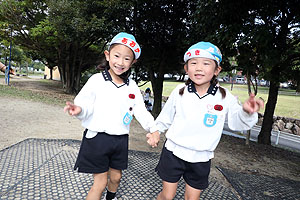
{"type": "Point", "coordinates": [72, 108]}
{"type": "Point", "coordinates": [253, 105]}
{"type": "Point", "coordinates": [153, 139]}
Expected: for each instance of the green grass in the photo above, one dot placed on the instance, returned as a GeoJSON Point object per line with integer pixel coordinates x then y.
{"type": "Point", "coordinates": [9, 91]}
{"type": "Point", "coordinates": [167, 87]}
{"type": "Point", "coordinates": [287, 104]}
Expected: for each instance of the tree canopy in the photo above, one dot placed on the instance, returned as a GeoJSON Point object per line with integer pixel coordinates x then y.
{"type": "Point", "coordinates": [262, 37]}
{"type": "Point", "coordinates": [265, 34]}
{"type": "Point", "coordinates": [68, 34]}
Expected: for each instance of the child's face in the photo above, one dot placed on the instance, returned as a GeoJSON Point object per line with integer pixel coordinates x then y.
{"type": "Point", "coordinates": [201, 70]}
{"type": "Point", "coordinates": [120, 58]}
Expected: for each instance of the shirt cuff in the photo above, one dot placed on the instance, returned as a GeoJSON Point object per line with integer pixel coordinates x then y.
{"type": "Point", "coordinates": [80, 116]}
{"type": "Point", "coordinates": [249, 119]}
{"type": "Point", "coordinates": [153, 129]}
{"type": "Point", "coordinates": [246, 115]}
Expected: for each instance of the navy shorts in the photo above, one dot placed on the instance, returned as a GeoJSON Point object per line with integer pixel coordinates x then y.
{"type": "Point", "coordinates": [171, 168]}
{"type": "Point", "coordinates": [104, 151]}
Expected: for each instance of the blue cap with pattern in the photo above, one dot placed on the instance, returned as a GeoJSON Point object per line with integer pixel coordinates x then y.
{"type": "Point", "coordinates": [203, 50]}
{"type": "Point", "coordinates": [129, 41]}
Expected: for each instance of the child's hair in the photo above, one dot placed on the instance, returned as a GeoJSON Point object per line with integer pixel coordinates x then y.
{"type": "Point", "coordinates": [213, 81]}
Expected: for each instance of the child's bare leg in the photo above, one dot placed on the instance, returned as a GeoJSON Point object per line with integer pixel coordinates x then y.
{"type": "Point", "coordinates": [100, 181]}
{"type": "Point", "coordinates": [168, 192]}
{"type": "Point", "coordinates": [114, 179]}
{"type": "Point", "coordinates": [191, 193]}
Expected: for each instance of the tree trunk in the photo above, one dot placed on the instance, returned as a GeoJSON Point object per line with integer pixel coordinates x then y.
{"type": "Point", "coordinates": [249, 91]}
{"type": "Point", "coordinates": [68, 80]}
{"type": "Point", "coordinates": [76, 66]}
{"type": "Point", "coordinates": [66, 68]}
{"type": "Point", "coordinates": [63, 75]}
{"type": "Point", "coordinates": [27, 69]}
{"type": "Point", "coordinates": [51, 73]}
{"type": "Point", "coordinates": [264, 136]}
{"type": "Point", "coordinates": [61, 68]}
{"type": "Point", "coordinates": [298, 87]}
{"type": "Point", "coordinates": [248, 134]}
{"type": "Point", "coordinates": [157, 86]}
{"type": "Point", "coordinates": [60, 72]}
{"type": "Point", "coordinates": [5, 61]}
{"type": "Point", "coordinates": [70, 68]}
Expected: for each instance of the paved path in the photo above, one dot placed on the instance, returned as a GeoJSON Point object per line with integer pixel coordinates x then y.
{"type": "Point", "coordinates": [43, 169]}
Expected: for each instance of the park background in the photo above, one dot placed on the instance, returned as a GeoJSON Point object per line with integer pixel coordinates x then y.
{"type": "Point", "coordinates": [33, 111]}
{"type": "Point", "coordinates": [259, 40]}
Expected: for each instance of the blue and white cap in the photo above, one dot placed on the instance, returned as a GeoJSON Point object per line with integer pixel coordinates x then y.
{"type": "Point", "coordinates": [129, 41]}
{"type": "Point", "coordinates": [203, 50]}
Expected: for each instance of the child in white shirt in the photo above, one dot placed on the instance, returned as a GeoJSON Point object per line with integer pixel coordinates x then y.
{"type": "Point", "coordinates": [194, 116]}
{"type": "Point", "coordinates": [106, 105]}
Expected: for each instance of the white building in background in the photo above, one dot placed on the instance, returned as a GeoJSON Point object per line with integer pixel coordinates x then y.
{"type": "Point", "coordinates": [55, 73]}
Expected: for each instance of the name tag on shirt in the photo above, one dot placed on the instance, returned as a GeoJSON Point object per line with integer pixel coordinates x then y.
{"type": "Point", "coordinates": [127, 118]}
{"type": "Point", "coordinates": [210, 120]}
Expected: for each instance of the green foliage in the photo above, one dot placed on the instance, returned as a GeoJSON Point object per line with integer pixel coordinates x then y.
{"type": "Point", "coordinates": [162, 28]}
{"type": "Point", "coordinates": [38, 65]}
{"type": "Point", "coordinates": [45, 30]}
{"type": "Point", "coordinates": [262, 33]}
{"type": "Point", "coordinates": [59, 33]}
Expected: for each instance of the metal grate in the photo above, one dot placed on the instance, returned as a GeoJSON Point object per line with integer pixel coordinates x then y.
{"type": "Point", "coordinates": [251, 186]}
{"type": "Point", "coordinates": [43, 169]}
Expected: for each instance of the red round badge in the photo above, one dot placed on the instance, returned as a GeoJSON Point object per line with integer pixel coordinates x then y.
{"type": "Point", "coordinates": [218, 107]}
{"type": "Point", "coordinates": [131, 96]}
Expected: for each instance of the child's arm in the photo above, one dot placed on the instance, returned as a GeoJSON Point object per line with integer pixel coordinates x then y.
{"type": "Point", "coordinates": [164, 120]}
{"type": "Point", "coordinates": [141, 114]}
{"type": "Point", "coordinates": [86, 97]}
{"type": "Point", "coordinates": [145, 119]}
{"type": "Point", "coordinates": [167, 114]}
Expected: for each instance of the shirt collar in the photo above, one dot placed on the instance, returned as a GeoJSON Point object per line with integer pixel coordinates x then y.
{"type": "Point", "coordinates": [107, 76]}
{"type": "Point", "coordinates": [211, 90]}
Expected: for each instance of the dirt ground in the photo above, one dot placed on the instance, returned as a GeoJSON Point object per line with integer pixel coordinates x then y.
{"type": "Point", "coordinates": [21, 119]}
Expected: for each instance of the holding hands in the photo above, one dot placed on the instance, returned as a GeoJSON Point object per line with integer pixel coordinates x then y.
{"type": "Point", "coordinates": [72, 109]}
{"type": "Point", "coordinates": [253, 105]}
{"type": "Point", "coordinates": [153, 139]}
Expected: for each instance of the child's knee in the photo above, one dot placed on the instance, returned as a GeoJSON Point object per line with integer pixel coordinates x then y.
{"type": "Point", "coordinates": [116, 179]}
{"type": "Point", "coordinates": [100, 182]}
{"type": "Point", "coordinates": [115, 176]}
